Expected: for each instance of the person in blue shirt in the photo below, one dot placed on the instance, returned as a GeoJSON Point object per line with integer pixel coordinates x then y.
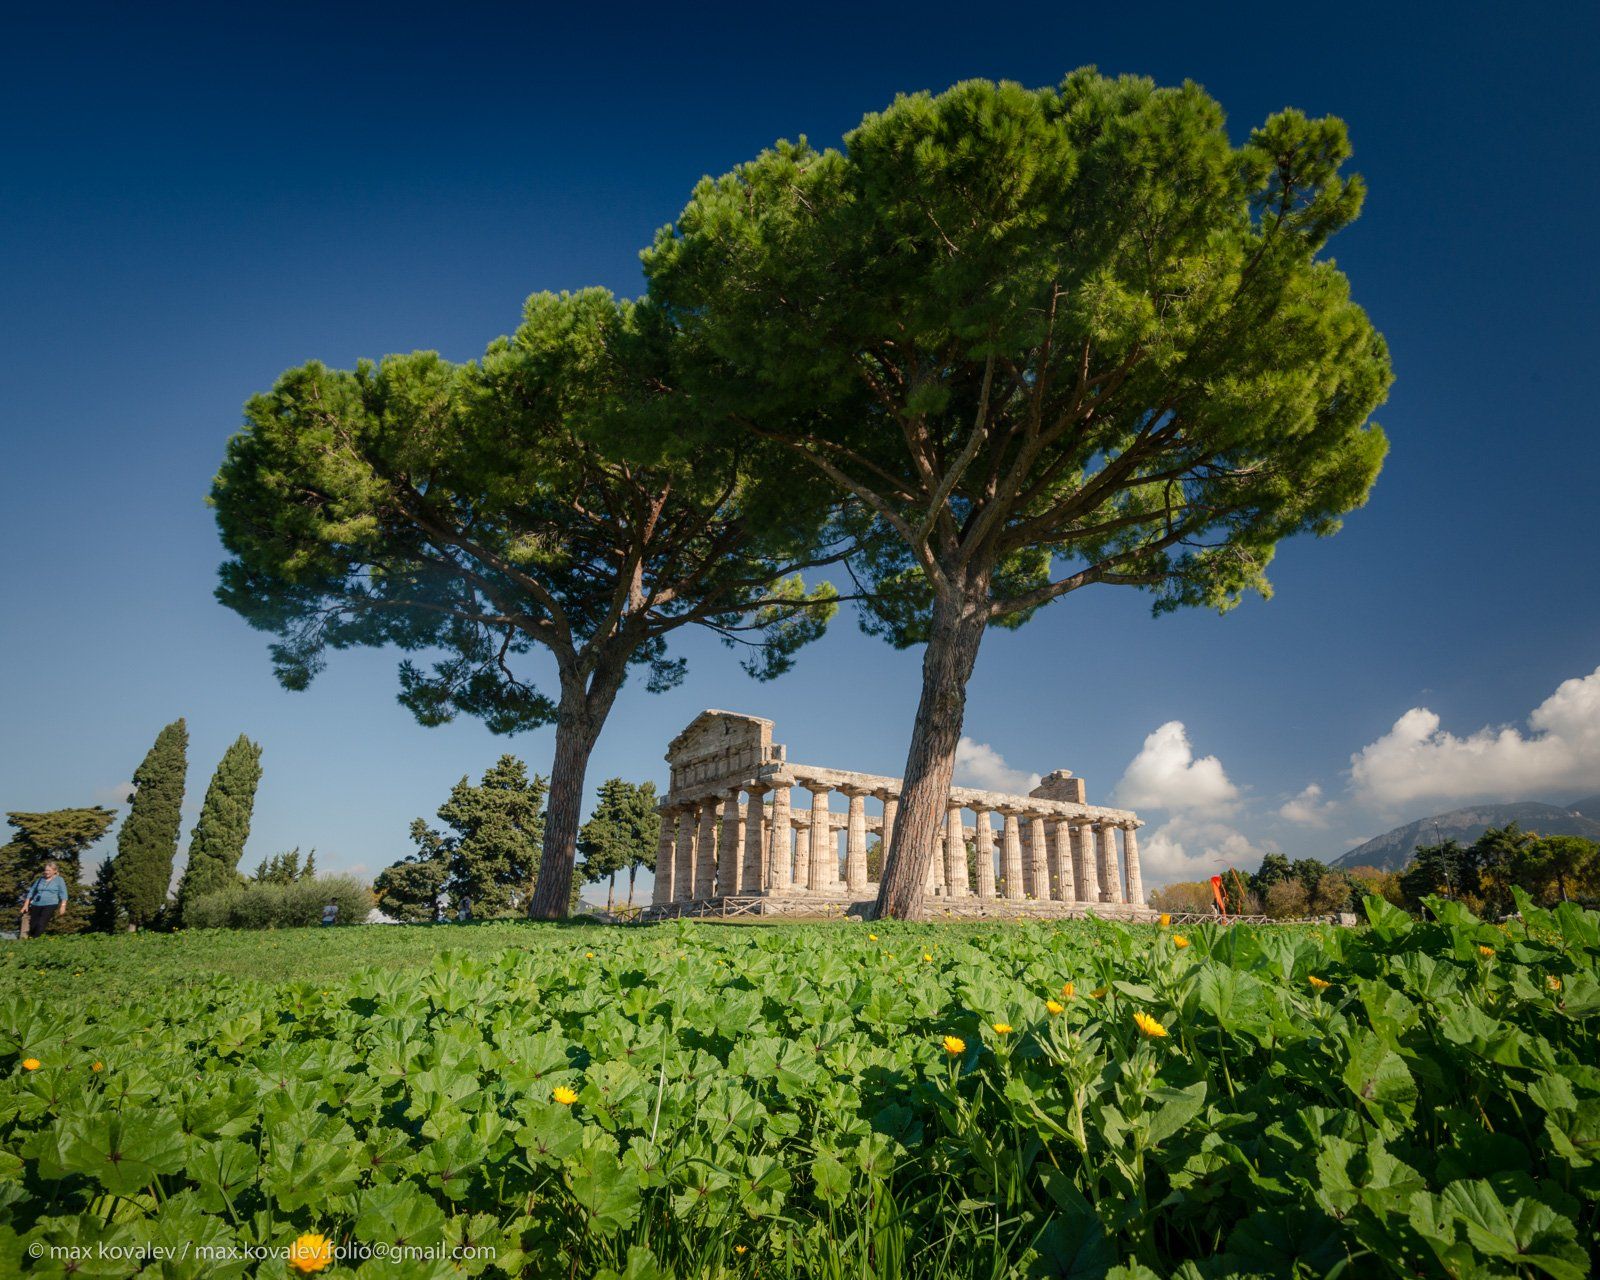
{"type": "Point", "coordinates": [45, 899]}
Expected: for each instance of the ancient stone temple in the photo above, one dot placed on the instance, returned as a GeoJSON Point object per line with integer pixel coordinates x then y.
{"type": "Point", "coordinates": [734, 840]}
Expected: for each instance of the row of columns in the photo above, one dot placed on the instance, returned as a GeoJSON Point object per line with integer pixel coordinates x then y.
{"type": "Point", "coordinates": [719, 847]}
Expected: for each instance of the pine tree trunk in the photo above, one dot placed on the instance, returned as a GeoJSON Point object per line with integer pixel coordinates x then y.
{"type": "Point", "coordinates": [581, 717]}
{"type": "Point", "coordinates": [633, 870]}
{"type": "Point", "coordinates": [611, 894]}
{"type": "Point", "coordinates": [956, 632]}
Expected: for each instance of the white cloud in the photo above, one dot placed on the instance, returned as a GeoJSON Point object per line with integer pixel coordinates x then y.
{"type": "Point", "coordinates": [1418, 760]}
{"type": "Point", "coordinates": [1308, 808]}
{"type": "Point", "coordinates": [1166, 775]}
{"type": "Point", "coordinates": [117, 793]}
{"type": "Point", "coordinates": [1193, 849]}
{"type": "Point", "coordinates": [980, 766]}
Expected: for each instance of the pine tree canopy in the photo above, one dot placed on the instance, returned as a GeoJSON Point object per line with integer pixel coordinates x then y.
{"type": "Point", "coordinates": [1046, 339]}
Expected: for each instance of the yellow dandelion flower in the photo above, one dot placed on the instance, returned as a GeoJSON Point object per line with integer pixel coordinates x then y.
{"type": "Point", "coordinates": [1053, 1007]}
{"type": "Point", "coordinates": [926, 958]}
{"type": "Point", "coordinates": [1069, 989]}
{"type": "Point", "coordinates": [739, 1248]}
{"type": "Point", "coordinates": [1179, 941]}
{"type": "Point", "coordinates": [1321, 984]}
{"type": "Point", "coordinates": [1166, 919]}
{"type": "Point", "coordinates": [588, 955]}
{"type": "Point", "coordinates": [1485, 952]}
{"type": "Point", "coordinates": [31, 1064]}
{"type": "Point", "coordinates": [954, 1045]}
{"type": "Point", "coordinates": [565, 1096]}
{"type": "Point", "coordinates": [98, 1066]}
{"type": "Point", "coordinates": [872, 937]}
{"type": "Point", "coordinates": [311, 1252]}
{"type": "Point", "coordinates": [1001, 1028]}
{"type": "Point", "coordinates": [1099, 993]}
{"type": "Point", "coordinates": [1553, 982]}
{"type": "Point", "coordinates": [1150, 1027]}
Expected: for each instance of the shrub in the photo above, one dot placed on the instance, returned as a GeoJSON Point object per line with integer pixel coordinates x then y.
{"type": "Point", "coordinates": [1286, 900]}
{"type": "Point", "coordinates": [281, 906]}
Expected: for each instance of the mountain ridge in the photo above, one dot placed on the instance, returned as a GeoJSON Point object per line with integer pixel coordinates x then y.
{"type": "Point", "coordinates": [1392, 850]}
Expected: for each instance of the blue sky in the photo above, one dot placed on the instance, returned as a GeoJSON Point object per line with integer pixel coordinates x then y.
{"type": "Point", "coordinates": [195, 200]}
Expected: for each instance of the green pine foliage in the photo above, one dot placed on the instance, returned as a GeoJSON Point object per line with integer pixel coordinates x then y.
{"type": "Point", "coordinates": [219, 836]}
{"type": "Point", "coordinates": [489, 854]}
{"type": "Point", "coordinates": [141, 873]}
{"type": "Point", "coordinates": [620, 835]}
{"type": "Point", "coordinates": [61, 834]}
{"type": "Point", "coordinates": [1047, 339]}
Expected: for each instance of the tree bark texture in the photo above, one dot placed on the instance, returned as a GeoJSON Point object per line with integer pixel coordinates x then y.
{"type": "Point", "coordinates": [956, 631]}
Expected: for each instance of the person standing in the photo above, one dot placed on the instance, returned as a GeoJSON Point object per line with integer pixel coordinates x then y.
{"type": "Point", "coordinates": [45, 899]}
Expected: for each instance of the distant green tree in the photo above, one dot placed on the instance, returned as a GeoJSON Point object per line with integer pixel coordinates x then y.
{"type": "Point", "coordinates": [1448, 869]}
{"type": "Point", "coordinates": [490, 854]}
{"type": "Point", "coordinates": [61, 834]}
{"type": "Point", "coordinates": [1273, 870]}
{"type": "Point", "coordinates": [147, 844]}
{"type": "Point", "coordinates": [410, 889]}
{"type": "Point", "coordinates": [1286, 899]}
{"type": "Point", "coordinates": [285, 868]}
{"type": "Point", "coordinates": [621, 834]}
{"type": "Point", "coordinates": [1331, 892]}
{"type": "Point", "coordinates": [1550, 869]}
{"type": "Point", "coordinates": [1567, 867]}
{"type": "Point", "coordinates": [219, 836]}
{"type": "Point", "coordinates": [1309, 872]}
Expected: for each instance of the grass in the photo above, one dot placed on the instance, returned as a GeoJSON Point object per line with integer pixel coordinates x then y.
{"type": "Point", "coordinates": [137, 965]}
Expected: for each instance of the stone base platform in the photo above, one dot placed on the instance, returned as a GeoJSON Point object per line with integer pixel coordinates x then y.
{"type": "Point", "coordinates": [845, 906]}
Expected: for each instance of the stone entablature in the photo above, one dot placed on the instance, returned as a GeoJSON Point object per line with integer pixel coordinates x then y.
{"type": "Point", "coordinates": [730, 828]}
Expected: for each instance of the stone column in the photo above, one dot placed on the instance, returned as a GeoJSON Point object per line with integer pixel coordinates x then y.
{"type": "Point", "coordinates": [1130, 853]}
{"type": "Point", "coordinates": [753, 876]}
{"type": "Point", "coordinates": [666, 863]}
{"type": "Point", "coordinates": [891, 811]}
{"type": "Point", "coordinates": [705, 850]}
{"type": "Point", "coordinates": [855, 839]}
{"type": "Point", "coordinates": [935, 883]}
{"type": "Point", "coordinates": [780, 853]}
{"type": "Point", "coordinates": [802, 856]}
{"type": "Point", "coordinates": [1066, 877]}
{"type": "Point", "coordinates": [1088, 872]}
{"type": "Point", "coordinates": [983, 851]}
{"type": "Point", "coordinates": [730, 847]}
{"type": "Point", "coordinates": [683, 882]}
{"type": "Point", "coordinates": [1110, 876]}
{"type": "Point", "coordinates": [955, 854]}
{"type": "Point", "coordinates": [1011, 859]}
{"type": "Point", "coordinates": [824, 852]}
{"type": "Point", "coordinates": [1039, 859]}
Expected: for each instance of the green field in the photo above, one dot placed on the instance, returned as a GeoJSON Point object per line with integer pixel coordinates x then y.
{"type": "Point", "coordinates": [691, 1099]}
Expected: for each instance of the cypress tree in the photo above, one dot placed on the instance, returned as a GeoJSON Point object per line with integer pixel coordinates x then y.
{"type": "Point", "coordinates": [148, 841]}
{"type": "Point", "coordinates": [219, 836]}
